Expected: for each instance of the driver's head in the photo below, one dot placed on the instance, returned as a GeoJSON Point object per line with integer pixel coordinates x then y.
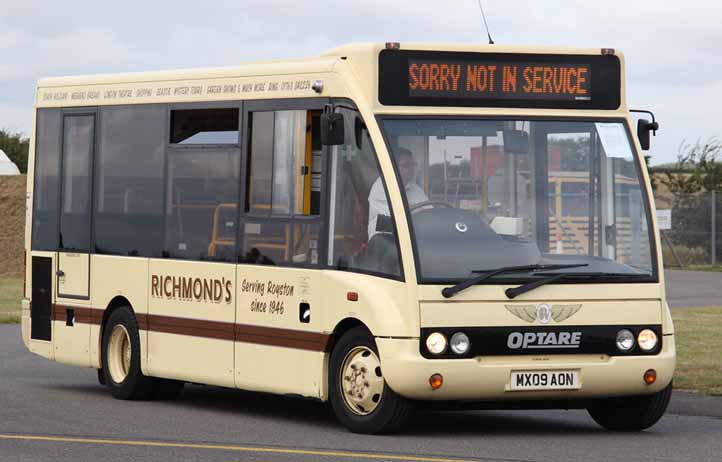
{"type": "Point", "coordinates": [406, 163]}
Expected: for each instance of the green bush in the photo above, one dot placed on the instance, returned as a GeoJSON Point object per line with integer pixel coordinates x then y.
{"type": "Point", "coordinates": [687, 256]}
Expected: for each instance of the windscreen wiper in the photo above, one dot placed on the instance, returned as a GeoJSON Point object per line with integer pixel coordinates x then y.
{"type": "Point", "coordinates": [450, 291]}
{"type": "Point", "coordinates": [516, 291]}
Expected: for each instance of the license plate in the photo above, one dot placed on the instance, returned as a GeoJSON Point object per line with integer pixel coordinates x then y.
{"type": "Point", "coordinates": [544, 380]}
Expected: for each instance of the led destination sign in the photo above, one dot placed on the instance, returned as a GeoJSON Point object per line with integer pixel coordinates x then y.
{"type": "Point", "coordinates": [490, 79]}
{"type": "Point", "coordinates": [438, 78]}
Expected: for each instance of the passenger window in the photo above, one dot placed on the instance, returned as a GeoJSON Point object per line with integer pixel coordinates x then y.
{"type": "Point", "coordinates": [77, 158]}
{"type": "Point", "coordinates": [283, 189]}
{"type": "Point", "coordinates": [204, 126]}
{"type": "Point", "coordinates": [362, 235]}
{"type": "Point", "coordinates": [47, 180]}
{"type": "Point", "coordinates": [128, 216]}
{"type": "Point", "coordinates": [274, 242]}
{"type": "Point", "coordinates": [202, 188]}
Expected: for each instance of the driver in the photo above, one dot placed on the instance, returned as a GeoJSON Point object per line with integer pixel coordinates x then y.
{"type": "Point", "coordinates": [378, 204]}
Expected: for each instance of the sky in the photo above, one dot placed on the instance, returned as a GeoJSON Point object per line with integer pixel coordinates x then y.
{"type": "Point", "coordinates": [672, 49]}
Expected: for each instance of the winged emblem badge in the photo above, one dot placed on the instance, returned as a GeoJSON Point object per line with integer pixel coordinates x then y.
{"type": "Point", "coordinates": [543, 312]}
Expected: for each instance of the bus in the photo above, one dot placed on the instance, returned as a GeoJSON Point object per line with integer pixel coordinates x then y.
{"type": "Point", "coordinates": [386, 227]}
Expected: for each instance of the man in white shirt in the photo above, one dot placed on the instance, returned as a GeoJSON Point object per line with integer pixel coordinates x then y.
{"type": "Point", "coordinates": [378, 204]}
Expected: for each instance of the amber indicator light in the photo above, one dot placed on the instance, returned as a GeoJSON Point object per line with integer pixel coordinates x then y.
{"type": "Point", "coordinates": [352, 296]}
{"type": "Point", "coordinates": [650, 376]}
{"type": "Point", "coordinates": [436, 381]}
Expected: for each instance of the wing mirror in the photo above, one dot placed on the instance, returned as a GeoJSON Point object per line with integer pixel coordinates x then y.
{"type": "Point", "coordinates": [644, 126]}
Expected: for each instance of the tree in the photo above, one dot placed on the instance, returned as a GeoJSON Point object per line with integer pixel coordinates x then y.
{"type": "Point", "coordinates": [16, 147]}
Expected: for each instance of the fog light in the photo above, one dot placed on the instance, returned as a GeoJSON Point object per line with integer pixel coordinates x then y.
{"type": "Point", "coordinates": [436, 343]}
{"type": "Point", "coordinates": [625, 340]}
{"type": "Point", "coordinates": [650, 376]}
{"type": "Point", "coordinates": [436, 381]}
{"type": "Point", "coordinates": [459, 343]}
{"type": "Point", "coordinates": [647, 340]}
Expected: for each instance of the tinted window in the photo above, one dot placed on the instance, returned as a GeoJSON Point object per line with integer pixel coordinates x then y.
{"type": "Point", "coordinates": [129, 181]}
{"type": "Point", "coordinates": [47, 187]}
{"type": "Point", "coordinates": [202, 203]}
{"type": "Point", "coordinates": [77, 157]}
{"type": "Point", "coordinates": [274, 242]}
{"type": "Point", "coordinates": [204, 126]}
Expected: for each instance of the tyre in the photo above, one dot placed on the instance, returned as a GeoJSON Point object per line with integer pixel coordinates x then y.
{"type": "Point", "coordinates": [121, 357]}
{"type": "Point", "coordinates": [358, 393]}
{"type": "Point", "coordinates": [632, 413]}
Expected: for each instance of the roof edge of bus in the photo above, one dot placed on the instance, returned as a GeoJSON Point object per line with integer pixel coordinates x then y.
{"type": "Point", "coordinates": [252, 68]}
{"type": "Point", "coordinates": [367, 47]}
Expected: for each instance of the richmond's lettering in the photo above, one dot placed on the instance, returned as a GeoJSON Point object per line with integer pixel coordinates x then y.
{"type": "Point", "coordinates": [190, 288]}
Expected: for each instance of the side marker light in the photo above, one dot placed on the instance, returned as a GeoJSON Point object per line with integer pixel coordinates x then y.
{"type": "Point", "coordinates": [650, 376]}
{"type": "Point", "coordinates": [436, 381]}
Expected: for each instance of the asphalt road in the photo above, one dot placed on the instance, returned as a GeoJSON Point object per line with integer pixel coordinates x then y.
{"type": "Point", "coordinates": [52, 412]}
{"type": "Point", "coordinates": [693, 288]}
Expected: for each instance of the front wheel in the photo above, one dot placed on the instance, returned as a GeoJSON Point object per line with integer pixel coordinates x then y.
{"type": "Point", "coordinates": [359, 395]}
{"type": "Point", "coordinates": [633, 413]}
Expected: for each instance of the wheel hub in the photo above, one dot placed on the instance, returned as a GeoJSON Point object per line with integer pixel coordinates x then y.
{"type": "Point", "coordinates": [119, 354]}
{"type": "Point", "coordinates": [361, 382]}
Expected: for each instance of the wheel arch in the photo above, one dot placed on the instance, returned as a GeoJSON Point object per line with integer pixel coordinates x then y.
{"type": "Point", "coordinates": [116, 303]}
{"type": "Point", "coordinates": [338, 331]}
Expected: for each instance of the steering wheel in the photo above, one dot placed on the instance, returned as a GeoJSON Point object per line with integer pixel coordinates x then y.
{"type": "Point", "coordinates": [419, 205]}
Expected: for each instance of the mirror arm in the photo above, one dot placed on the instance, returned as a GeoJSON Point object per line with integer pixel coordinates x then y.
{"type": "Point", "coordinates": [653, 125]}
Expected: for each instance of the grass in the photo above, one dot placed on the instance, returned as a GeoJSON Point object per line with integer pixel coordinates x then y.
{"type": "Point", "coordinates": [698, 333]}
{"type": "Point", "coordinates": [11, 289]}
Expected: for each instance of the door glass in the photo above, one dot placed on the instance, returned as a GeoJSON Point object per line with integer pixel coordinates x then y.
{"type": "Point", "coordinates": [77, 154]}
{"type": "Point", "coordinates": [362, 235]}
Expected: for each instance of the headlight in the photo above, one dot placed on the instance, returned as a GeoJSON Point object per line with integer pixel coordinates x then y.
{"type": "Point", "coordinates": [647, 340]}
{"type": "Point", "coordinates": [436, 343]}
{"type": "Point", "coordinates": [625, 340]}
{"type": "Point", "coordinates": [460, 343]}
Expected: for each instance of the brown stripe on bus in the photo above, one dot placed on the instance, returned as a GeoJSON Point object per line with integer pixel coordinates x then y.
{"type": "Point", "coordinates": [261, 335]}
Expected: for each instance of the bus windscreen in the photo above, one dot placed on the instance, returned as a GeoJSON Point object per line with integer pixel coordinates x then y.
{"type": "Point", "coordinates": [422, 78]}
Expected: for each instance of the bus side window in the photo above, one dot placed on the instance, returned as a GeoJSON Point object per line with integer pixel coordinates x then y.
{"type": "Point", "coordinates": [282, 222]}
{"type": "Point", "coordinates": [128, 215]}
{"type": "Point", "coordinates": [203, 181]}
{"type": "Point", "coordinates": [47, 180]}
{"type": "Point", "coordinates": [355, 175]}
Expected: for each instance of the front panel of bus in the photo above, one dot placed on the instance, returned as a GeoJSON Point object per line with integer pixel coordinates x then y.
{"type": "Point", "coordinates": [532, 231]}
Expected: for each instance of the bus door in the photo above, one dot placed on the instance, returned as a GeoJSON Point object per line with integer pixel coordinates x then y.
{"type": "Point", "coordinates": [72, 311]}
{"type": "Point", "coordinates": [279, 339]}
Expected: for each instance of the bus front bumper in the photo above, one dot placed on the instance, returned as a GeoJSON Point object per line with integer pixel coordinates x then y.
{"type": "Point", "coordinates": [488, 378]}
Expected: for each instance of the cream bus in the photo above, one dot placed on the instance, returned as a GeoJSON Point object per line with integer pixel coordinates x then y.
{"type": "Point", "coordinates": [376, 227]}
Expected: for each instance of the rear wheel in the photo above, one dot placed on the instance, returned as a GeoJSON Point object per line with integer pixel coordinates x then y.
{"type": "Point", "coordinates": [121, 357]}
{"type": "Point", "coordinates": [632, 413]}
{"type": "Point", "coordinates": [359, 395]}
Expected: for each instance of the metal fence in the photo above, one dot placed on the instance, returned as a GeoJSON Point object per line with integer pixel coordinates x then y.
{"type": "Point", "coordinates": [690, 228]}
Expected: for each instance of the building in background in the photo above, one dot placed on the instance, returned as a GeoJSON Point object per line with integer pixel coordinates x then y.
{"type": "Point", "coordinates": [7, 167]}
